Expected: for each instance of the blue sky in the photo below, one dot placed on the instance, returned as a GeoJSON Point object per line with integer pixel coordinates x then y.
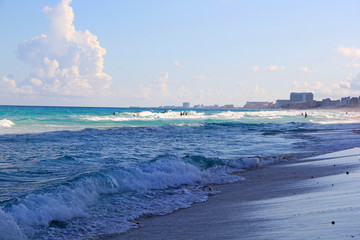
{"type": "Point", "coordinates": [152, 53]}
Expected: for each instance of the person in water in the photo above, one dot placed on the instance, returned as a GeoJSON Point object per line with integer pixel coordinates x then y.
{"type": "Point", "coordinates": [305, 115]}
{"type": "Point", "coordinates": [114, 113]}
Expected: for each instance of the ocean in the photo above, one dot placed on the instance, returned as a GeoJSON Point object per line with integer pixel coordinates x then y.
{"type": "Point", "coordinates": [79, 173]}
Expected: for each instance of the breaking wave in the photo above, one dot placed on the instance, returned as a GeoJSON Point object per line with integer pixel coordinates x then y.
{"type": "Point", "coordinates": [6, 123]}
{"type": "Point", "coordinates": [174, 182]}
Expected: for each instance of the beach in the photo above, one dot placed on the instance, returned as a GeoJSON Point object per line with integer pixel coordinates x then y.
{"type": "Point", "coordinates": [312, 198]}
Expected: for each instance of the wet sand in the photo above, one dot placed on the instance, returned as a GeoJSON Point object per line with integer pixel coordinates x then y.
{"type": "Point", "coordinates": [316, 198]}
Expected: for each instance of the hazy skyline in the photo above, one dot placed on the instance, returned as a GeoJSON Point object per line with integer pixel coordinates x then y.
{"type": "Point", "coordinates": [151, 53]}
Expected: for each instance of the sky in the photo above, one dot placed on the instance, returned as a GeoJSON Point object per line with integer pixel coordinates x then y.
{"type": "Point", "coordinates": [151, 53]}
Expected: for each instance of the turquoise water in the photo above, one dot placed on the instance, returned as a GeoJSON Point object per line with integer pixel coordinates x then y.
{"type": "Point", "coordinates": [77, 173]}
{"type": "Point", "coordinates": [18, 119]}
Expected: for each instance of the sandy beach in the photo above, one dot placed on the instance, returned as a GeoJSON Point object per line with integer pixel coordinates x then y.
{"type": "Point", "coordinates": [314, 198]}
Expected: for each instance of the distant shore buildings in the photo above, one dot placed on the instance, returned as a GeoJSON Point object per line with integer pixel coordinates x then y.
{"type": "Point", "coordinates": [259, 105]}
{"type": "Point", "coordinates": [304, 100]}
{"type": "Point", "coordinates": [298, 100]}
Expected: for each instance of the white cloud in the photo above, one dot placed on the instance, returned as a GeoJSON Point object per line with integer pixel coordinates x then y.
{"type": "Point", "coordinates": [273, 68]}
{"type": "Point", "coordinates": [350, 87]}
{"type": "Point", "coordinates": [355, 83]}
{"type": "Point", "coordinates": [8, 86]}
{"type": "Point", "coordinates": [159, 87]}
{"type": "Point", "coordinates": [258, 90]}
{"type": "Point", "coordinates": [353, 65]}
{"type": "Point", "coordinates": [318, 85]}
{"type": "Point", "coordinates": [270, 68]}
{"type": "Point", "coordinates": [205, 94]}
{"type": "Point", "coordinates": [296, 84]}
{"type": "Point", "coordinates": [162, 82]}
{"type": "Point", "coordinates": [301, 85]}
{"type": "Point", "coordinates": [35, 81]}
{"type": "Point", "coordinates": [342, 84]}
{"type": "Point", "coordinates": [349, 52]}
{"type": "Point", "coordinates": [177, 64]}
{"type": "Point", "coordinates": [255, 69]}
{"type": "Point", "coordinates": [305, 69]}
{"type": "Point", "coordinates": [8, 83]}
{"type": "Point", "coordinates": [64, 61]}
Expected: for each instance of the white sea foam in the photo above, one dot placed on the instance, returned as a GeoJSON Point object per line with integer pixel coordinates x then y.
{"type": "Point", "coordinates": [320, 116]}
{"type": "Point", "coordinates": [68, 202]}
{"type": "Point", "coordinates": [174, 117]}
{"type": "Point", "coordinates": [9, 230]}
{"type": "Point", "coordinates": [333, 116]}
{"type": "Point", "coordinates": [6, 123]}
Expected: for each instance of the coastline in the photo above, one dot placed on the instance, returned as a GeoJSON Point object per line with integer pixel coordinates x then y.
{"type": "Point", "coordinates": [315, 198]}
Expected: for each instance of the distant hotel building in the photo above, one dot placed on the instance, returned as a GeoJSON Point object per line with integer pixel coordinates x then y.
{"type": "Point", "coordinates": [297, 100]}
{"type": "Point", "coordinates": [301, 97]}
{"type": "Point", "coordinates": [186, 105]}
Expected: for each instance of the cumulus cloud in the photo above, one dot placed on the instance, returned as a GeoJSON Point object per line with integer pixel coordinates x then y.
{"type": "Point", "coordinates": [353, 65]}
{"type": "Point", "coordinates": [158, 88]}
{"type": "Point", "coordinates": [355, 83]}
{"type": "Point", "coordinates": [255, 69]}
{"type": "Point", "coordinates": [162, 82]}
{"type": "Point", "coordinates": [342, 84]}
{"type": "Point", "coordinates": [352, 84]}
{"type": "Point", "coordinates": [301, 85]}
{"type": "Point", "coordinates": [296, 84]}
{"type": "Point", "coordinates": [349, 52]}
{"type": "Point", "coordinates": [274, 68]}
{"type": "Point", "coordinates": [305, 69]}
{"type": "Point", "coordinates": [258, 90]}
{"type": "Point", "coordinates": [64, 61]}
{"type": "Point", "coordinates": [270, 68]}
{"type": "Point", "coordinates": [177, 64]}
{"type": "Point", "coordinates": [348, 87]}
{"type": "Point", "coordinates": [8, 86]}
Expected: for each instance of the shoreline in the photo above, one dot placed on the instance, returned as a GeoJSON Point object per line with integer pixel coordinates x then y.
{"type": "Point", "coordinates": [313, 198]}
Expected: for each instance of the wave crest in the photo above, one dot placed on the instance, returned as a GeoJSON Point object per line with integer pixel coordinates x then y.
{"type": "Point", "coordinates": [6, 123]}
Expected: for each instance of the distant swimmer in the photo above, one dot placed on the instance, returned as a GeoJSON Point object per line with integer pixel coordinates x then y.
{"type": "Point", "coordinates": [114, 113]}
{"type": "Point", "coordinates": [305, 115]}
{"type": "Point", "coordinates": [164, 111]}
